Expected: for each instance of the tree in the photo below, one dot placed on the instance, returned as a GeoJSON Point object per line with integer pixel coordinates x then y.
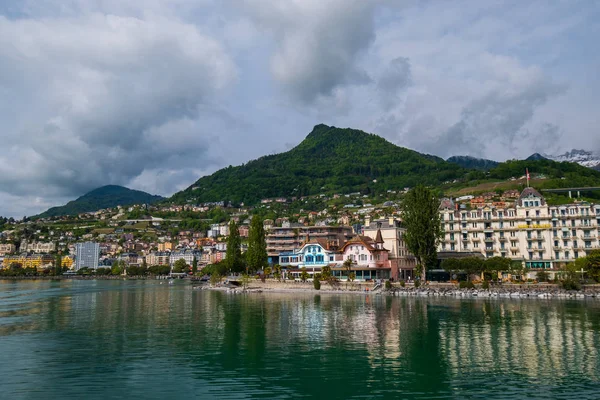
{"type": "Point", "coordinates": [194, 266]}
{"type": "Point", "coordinates": [267, 271]}
{"type": "Point", "coordinates": [542, 276]}
{"type": "Point", "coordinates": [58, 265]}
{"type": "Point", "coordinates": [421, 218]}
{"type": "Point", "coordinates": [277, 272]}
{"type": "Point", "coordinates": [256, 256]}
{"type": "Point", "coordinates": [593, 265]}
{"type": "Point", "coordinates": [233, 256]}
{"type": "Point", "coordinates": [326, 273]}
{"type": "Point", "coordinates": [245, 280]}
{"type": "Point", "coordinates": [304, 274]}
{"type": "Point", "coordinates": [347, 266]}
{"type": "Point", "coordinates": [472, 266]}
{"type": "Point", "coordinates": [352, 276]}
{"type": "Point", "coordinates": [495, 265]}
{"type": "Point", "coordinates": [180, 266]}
{"type": "Point", "coordinates": [117, 267]}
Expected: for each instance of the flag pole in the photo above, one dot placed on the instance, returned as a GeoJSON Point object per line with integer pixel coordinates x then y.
{"type": "Point", "coordinates": [527, 174]}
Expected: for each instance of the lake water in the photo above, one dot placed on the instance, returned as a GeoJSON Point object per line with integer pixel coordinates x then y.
{"type": "Point", "coordinates": [143, 339]}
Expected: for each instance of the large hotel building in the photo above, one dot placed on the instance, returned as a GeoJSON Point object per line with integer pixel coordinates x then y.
{"type": "Point", "coordinates": [542, 236]}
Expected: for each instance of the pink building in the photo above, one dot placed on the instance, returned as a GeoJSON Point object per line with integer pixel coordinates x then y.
{"type": "Point", "coordinates": [369, 257]}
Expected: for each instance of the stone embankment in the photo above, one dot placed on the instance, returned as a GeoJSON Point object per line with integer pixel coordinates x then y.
{"type": "Point", "coordinates": [500, 292]}
{"type": "Point", "coordinates": [435, 290]}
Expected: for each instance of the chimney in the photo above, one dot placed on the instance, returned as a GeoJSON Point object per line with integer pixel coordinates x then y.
{"type": "Point", "coordinates": [367, 221]}
{"type": "Point", "coordinates": [391, 222]}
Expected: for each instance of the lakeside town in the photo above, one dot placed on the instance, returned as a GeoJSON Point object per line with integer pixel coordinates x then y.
{"type": "Point", "coordinates": [350, 238]}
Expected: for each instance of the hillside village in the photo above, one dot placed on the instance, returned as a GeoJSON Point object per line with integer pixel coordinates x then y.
{"type": "Point", "coordinates": [330, 227]}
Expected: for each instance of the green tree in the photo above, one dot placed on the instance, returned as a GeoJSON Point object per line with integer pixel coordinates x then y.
{"type": "Point", "coordinates": [352, 276]}
{"type": "Point", "coordinates": [304, 274]}
{"type": "Point", "coordinates": [194, 265]}
{"type": "Point", "coordinates": [267, 271]}
{"type": "Point", "coordinates": [233, 256]}
{"type": "Point", "coordinates": [347, 266]}
{"type": "Point", "coordinates": [421, 218]}
{"type": "Point", "coordinates": [180, 266]}
{"type": "Point", "coordinates": [245, 281]}
{"type": "Point", "coordinates": [593, 265]}
{"type": "Point", "coordinates": [494, 265]}
{"type": "Point", "coordinates": [542, 276]}
{"type": "Point", "coordinates": [117, 267]}
{"type": "Point", "coordinates": [316, 283]}
{"type": "Point", "coordinates": [256, 256]}
{"type": "Point", "coordinates": [277, 272]}
{"type": "Point", "coordinates": [58, 265]}
{"type": "Point", "coordinates": [326, 273]}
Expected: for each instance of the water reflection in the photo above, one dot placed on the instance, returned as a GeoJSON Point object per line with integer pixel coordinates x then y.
{"type": "Point", "coordinates": [154, 341]}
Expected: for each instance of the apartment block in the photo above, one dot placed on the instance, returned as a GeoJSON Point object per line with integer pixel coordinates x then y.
{"type": "Point", "coordinates": [531, 231]}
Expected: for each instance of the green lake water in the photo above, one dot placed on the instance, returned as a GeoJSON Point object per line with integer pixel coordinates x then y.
{"type": "Point", "coordinates": [143, 339]}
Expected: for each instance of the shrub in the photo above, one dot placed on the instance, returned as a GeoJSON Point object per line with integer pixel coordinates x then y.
{"type": "Point", "coordinates": [417, 283]}
{"type": "Point", "coordinates": [402, 283]}
{"type": "Point", "coordinates": [570, 284]}
{"type": "Point", "coordinates": [317, 283]}
{"type": "Point", "coordinates": [466, 285]}
{"type": "Point", "coordinates": [388, 285]}
{"type": "Point", "coordinates": [485, 285]}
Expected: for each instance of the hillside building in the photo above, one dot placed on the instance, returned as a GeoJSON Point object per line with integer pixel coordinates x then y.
{"type": "Point", "coordinates": [541, 236]}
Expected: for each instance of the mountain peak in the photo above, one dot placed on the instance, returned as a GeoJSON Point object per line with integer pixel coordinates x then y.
{"type": "Point", "coordinates": [536, 156]}
{"type": "Point", "coordinates": [329, 159]}
{"type": "Point", "coordinates": [586, 158]}
{"type": "Point", "coordinates": [108, 196]}
{"type": "Point", "coordinates": [473, 162]}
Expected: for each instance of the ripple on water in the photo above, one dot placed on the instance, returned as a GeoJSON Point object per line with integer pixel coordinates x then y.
{"type": "Point", "coordinates": [136, 339]}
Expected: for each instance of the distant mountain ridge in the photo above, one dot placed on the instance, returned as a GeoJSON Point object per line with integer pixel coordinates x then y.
{"type": "Point", "coordinates": [335, 160]}
{"type": "Point", "coordinates": [473, 162]}
{"type": "Point", "coordinates": [328, 160]}
{"type": "Point", "coordinates": [586, 158]}
{"type": "Point", "coordinates": [103, 197]}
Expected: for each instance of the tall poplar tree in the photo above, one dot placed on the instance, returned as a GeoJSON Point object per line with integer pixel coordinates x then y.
{"type": "Point", "coordinates": [58, 265]}
{"type": "Point", "coordinates": [256, 256]}
{"type": "Point", "coordinates": [423, 225]}
{"type": "Point", "coordinates": [233, 256]}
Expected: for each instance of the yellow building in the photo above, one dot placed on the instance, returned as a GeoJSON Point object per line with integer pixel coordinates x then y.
{"type": "Point", "coordinates": [165, 246]}
{"type": "Point", "coordinates": [38, 261]}
{"type": "Point", "coordinates": [67, 261]}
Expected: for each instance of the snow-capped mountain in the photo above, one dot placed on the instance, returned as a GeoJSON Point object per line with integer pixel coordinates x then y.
{"type": "Point", "coordinates": [582, 157]}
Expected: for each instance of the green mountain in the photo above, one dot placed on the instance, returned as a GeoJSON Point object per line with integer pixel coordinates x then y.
{"type": "Point", "coordinates": [473, 162]}
{"type": "Point", "coordinates": [103, 197]}
{"type": "Point", "coordinates": [329, 160]}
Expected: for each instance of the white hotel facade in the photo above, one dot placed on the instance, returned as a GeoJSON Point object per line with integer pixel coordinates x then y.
{"type": "Point", "coordinates": [539, 235]}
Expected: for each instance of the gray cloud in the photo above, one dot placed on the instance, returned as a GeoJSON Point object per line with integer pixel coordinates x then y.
{"type": "Point", "coordinates": [496, 119]}
{"type": "Point", "coordinates": [155, 93]}
{"type": "Point", "coordinates": [317, 43]}
{"type": "Point", "coordinates": [393, 80]}
{"type": "Point", "coordinates": [121, 98]}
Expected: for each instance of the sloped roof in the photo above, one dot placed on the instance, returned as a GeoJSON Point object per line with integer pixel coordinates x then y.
{"type": "Point", "coordinates": [365, 241]}
{"type": "Point", "coordinates": [531, 192]}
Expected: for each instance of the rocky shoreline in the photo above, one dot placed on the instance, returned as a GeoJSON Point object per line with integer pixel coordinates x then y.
{"type": "Point", "coordinates": [545, 292]}
{"type": "Point", "coordinates": [513, 293]}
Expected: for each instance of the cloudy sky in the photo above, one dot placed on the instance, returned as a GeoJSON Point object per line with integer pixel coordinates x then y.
{"type": "Point", "coordinates": [152, 94]}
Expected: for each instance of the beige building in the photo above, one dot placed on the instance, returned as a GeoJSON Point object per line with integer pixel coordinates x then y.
{"type": "Point", "coordinates": [7, 248]}
{"type": "Point", "coordinates": [539, 235]}
{"type": "Point", "coordinates": [393, 240]}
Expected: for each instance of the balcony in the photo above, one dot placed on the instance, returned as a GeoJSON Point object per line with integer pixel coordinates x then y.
{"type": "Point", "coordinates": [503, 238]}
{"type": "Point", "coordinates": [476, 239]}
{"type": "Point", "coordinates": [489, 239]}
